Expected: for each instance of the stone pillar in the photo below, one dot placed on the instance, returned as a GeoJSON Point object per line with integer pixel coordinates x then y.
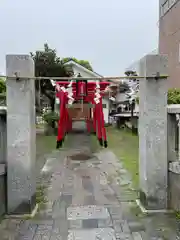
{"type": "Point", "coordinates": [153, 164]}
{"type": "Point", "coordinates": [21, 135]}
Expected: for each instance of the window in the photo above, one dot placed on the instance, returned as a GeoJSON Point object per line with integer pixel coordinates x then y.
{"type": "Point", "coordinates": [171, 2]}
{"type": "Point", "coordinates": [166, 5]}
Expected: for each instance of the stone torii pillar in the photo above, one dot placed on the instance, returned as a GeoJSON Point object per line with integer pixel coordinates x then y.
{"type": "Point", "coordinates": [21, 135]}
{"type": "Point", "coordinates": [153, 164]}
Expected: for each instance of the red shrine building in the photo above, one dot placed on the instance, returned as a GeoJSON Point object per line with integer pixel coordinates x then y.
{"type": "Point", "coordinates": [78, 113]}
{"type": "Point", "coordinates": [83, 100]}
{"type": "Point", "coordinates": [78, 94]}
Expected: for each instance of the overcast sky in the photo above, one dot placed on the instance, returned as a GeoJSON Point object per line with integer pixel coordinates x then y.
{"type": "Point", "coordinates": [110, 34]}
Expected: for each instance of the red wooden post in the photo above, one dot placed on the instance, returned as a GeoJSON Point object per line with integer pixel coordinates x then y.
{"type": "Point", "coordinates": [102, 124]}
{"type": "Point", "coordinates": [64, 120]}
{"type": "Point", "coordinates": [99, 126]}
{"type": "Point", "coordinates": [94, 118]}
{"type": "Point", "coordinates": [60, 122]}
{"type": "Point", "coordinates": [64, 126]}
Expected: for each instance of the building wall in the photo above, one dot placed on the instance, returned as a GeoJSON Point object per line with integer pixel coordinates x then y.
{"type": "Point", "coordinates": [169, 38]}
{"type": "Point", "coordinates": [77, 70]}
{"type": "Point", "coordinates": [106, 110]}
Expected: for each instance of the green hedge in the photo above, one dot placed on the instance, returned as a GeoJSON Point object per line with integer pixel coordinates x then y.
{"type": "Point", "coordinates": [174, 96]}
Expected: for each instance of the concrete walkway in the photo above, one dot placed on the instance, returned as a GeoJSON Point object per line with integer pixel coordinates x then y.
{"type": "Point", "coordinates": [88, 199]}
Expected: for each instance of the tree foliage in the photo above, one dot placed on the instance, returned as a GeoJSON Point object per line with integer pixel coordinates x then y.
{"type": "Point", "coordinates": [2, 92]}
{"type": "Point", "coordinates": [49, 117]}
{"type": "Point", "coordinates": [48, 64]}
{"type": "Point", "coordinates": [83, 63]}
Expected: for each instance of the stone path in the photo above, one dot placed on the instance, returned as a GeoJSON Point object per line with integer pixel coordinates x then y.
{"type": "Point", "coordinates": [88, 199]}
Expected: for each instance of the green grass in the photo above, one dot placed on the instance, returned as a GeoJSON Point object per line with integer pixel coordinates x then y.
{"type": "Point", "coordinates": [44, 145]}
{"type": "Point", "coordinates": [40, 194]}
{"type": "Point", "coordinates": [94, 144]}
{"type": "Point", "coordinates": [177, 214]}
{"type": "Point", "coordinates": [125, 146]}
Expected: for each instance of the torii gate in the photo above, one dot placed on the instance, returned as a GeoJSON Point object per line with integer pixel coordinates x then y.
{"type": "Point", "coordinates": [84, 92]}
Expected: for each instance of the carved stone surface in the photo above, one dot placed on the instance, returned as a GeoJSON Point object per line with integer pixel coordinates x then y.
{"type": "Point", "coordinates": [93, 234]}
{"type": "Point", "coordinates": [87, 212]}
{"type": "Point", "coordinates": [153, 133]}
{"type": "Point", "coordinates": [21, 135]}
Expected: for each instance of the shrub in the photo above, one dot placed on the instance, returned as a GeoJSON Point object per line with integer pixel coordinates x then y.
{"type": "Point", "coordinates": [174, 96]}
{"type": "Point", "coordinates": [2, 86]}
{"type": "Point", "coordinates": [50, 117]}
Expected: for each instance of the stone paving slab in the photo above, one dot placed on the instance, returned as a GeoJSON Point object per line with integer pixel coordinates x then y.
{"type": "Point", "coordinates": [90, 199]}
{"type": "Point", "coordinates": [92, 234]}
{"type": "Point", "coordinates": [87, 212]}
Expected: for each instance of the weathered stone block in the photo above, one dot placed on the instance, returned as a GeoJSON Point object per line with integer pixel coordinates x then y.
{"type": "Point", "coordinates": [174, 191]}
{"type": "Point", "coordinates": [87, 212]}
{"type": "Point", "coordinates": [92, 234]}
{"type": "Point", "coordinates": [153, 166]}
{"type": "Point", "coordinates": [21, 135]}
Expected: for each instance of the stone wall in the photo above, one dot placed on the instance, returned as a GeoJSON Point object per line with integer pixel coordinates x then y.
{"type": "Point", "coordinates": [174, 191]}
{"type": "Point", "coordinates": [173, 150]}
